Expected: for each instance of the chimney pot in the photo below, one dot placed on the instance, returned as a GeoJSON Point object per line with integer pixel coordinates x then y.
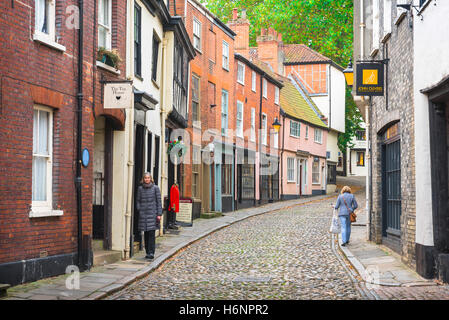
{"type": "Point", "coordinates": [243, 14]}
{"type": "Point", "coordinates": [279, 37]}
{"type": "Point", "coordinates": [235, 13]}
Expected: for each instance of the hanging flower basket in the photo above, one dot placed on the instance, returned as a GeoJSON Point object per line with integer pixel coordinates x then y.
{"type": "Point", "coordinates": [177, 145]}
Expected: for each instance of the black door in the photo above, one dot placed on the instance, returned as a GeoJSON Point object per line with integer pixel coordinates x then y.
{"type": "Point", "coordinates": [138, 173]}
{"type": "Point", "coordinates": [156, 160]}
{"type": "Point", "coordinates": [392, 188]}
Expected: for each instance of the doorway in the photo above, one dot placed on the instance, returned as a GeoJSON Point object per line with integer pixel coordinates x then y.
{"type": "Point", "coordinates": [102, 183]}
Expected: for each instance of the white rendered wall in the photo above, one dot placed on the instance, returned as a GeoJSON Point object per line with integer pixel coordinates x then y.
{"type": "Point", "coordinates": [338, 97]}
{"type": "Point", "coordinates": [431, 64]}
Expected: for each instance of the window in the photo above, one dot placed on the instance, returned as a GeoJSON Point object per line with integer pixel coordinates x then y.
{"type": "Point", "coordinates": [225, 55]}
{"type": "Point", "coordinates": [241, 73]}
{"type": "Point", "coordinates": [104, 24]}
{"type": "Point", "coordinates": [42, 166]}
{"type": "Point", "coordinates": [239, 127]}
{"type": "Point", "coordinates": [387, 17]}
{"type": "Point", "coordinates": [376, 24]}
{"type": "Point", "coordinates": [360, 159]}
{"type": "Point", "coordinates": [180, 79]}
{"type": "Point", "coordinates": [295, 128]}
{"type": "Point", "coordinates": [156, 43]}
{"type": "Point", "coordinates": [276, 95]}
{"type": "Point", "coordinates": [264, 129]}
{"type": "Point", "coordinates": [291, 169]}
{"type": "Point", "coordinates": [253, 124]}
{"type": "Point", "coordinates": [318, 135]}
{"type": "Point", "coordinates": [253, 81]}
{"type": "Point", "coordinates": [265, 88]}
{"type": "Point", "coordinates": [226, 175]}
{"type": "Point", "coordinates": [196, 34]}
{"type": "Point", "coordinates": [195, 98]}
{"type": "Point", "coordinates": [275, 143]}
{"type": "Point", "coordinates": [307, 132]}
{"type": "Point", "coordinates": [360, 135]}
{"type": "Point", "coordinates": [316, 171]}
{"type": "Point", "coordinates": [45, 18]}
{"type": "Point", "coordinates": [137, 40]}
{"type": "Point", "coordinates": [224, 112]}
{"type": "Point", "coordinates": [196, 158]}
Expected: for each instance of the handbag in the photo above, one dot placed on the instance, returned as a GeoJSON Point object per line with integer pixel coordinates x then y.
{"type": "Point", "coordinates": [352, 215]}
{"type": "Point", "coordinates": [335, 224]}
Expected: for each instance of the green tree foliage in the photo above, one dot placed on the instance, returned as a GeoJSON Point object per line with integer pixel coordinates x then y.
{"type": "Point", "coordinates": [324, 25]}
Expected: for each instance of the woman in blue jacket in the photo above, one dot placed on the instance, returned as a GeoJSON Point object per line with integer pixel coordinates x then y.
{"type": "Point", "coordinates": [347, 204]}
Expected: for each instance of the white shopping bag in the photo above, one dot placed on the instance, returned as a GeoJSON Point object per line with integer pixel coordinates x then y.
{"type": "Point", "coordinates": [335, 225]}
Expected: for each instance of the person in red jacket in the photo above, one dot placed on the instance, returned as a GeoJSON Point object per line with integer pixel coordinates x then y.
{"type": "Point", "coordinates": [173, 207]}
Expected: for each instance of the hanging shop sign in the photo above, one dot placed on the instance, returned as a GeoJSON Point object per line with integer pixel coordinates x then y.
{"type": "Point", "coordinates": [118, 95]}
{"type": "Point", "coordinates": [370, 79]}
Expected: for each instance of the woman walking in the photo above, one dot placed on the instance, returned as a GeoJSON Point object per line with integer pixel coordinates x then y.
{"type": "Point", "coordinates": [347, 204]}
{"type": "Point", "coordinates": [150, 212]}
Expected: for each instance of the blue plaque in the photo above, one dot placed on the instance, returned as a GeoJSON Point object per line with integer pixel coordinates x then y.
{"type": "Point", "coordinates": [85, 158]}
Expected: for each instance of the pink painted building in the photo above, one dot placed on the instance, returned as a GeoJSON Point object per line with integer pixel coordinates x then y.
{"type": "Point", "coordinates": [303, 144]}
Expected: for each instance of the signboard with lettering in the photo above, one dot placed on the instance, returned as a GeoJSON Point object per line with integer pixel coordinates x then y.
{"type": "Point", "coordinates": [370, 79]}
{"type": "Point", "coordinates": [185, 212]}
{"type": "Point", "coordinates": [118, 95]}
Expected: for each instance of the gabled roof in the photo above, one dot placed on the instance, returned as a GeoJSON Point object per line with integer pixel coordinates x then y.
{"type": "Point", "coordinates": [298, 105]}
{"type": "Point", "coordinates": [299, 53]}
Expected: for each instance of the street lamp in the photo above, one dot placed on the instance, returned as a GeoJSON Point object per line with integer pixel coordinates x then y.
{"type": "Point", "coordinates": [349, 74]}
{"type": "Point", "coordinates": [276, 124]}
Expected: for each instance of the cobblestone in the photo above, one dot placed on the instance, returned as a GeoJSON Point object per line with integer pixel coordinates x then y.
{"type": "Point", "coordinates": [284, 254]}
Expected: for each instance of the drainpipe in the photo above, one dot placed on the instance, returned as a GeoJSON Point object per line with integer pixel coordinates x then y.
{"type": "Point", "coordinates": [79, 135]}
{"type": "Point", "coordinates": [163, 116]}
{"type": "Point", "coordinates": [129, 200]}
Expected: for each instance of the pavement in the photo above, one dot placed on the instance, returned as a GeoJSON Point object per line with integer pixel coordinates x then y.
{"type": "Point", "coordinates": [102, 281]}
{"type": "Point", "coordinates": [381, 269]}
{"type": "Point", "coordinates": [283, 253]}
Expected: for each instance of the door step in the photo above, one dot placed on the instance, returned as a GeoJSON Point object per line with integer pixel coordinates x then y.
{"type": "Point", "coordinates": [3, 289]}
{"type": "Point", "coordinates": [210, 215]}
{"type": "Point", "coordinates": [102, 257]}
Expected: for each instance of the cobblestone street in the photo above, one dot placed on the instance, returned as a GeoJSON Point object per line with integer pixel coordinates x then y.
{"type": "Point", "coordinates": [286, 254]}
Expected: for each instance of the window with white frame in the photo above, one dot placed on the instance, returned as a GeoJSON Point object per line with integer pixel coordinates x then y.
{"type": "Point", "coordinates": [196, 34]}
{"type": "Point", "coordinates": [42, 179]}
{"type": "Point", "coordinates": [376, 25]}
{"type": "Point", "coordinates": [253, 125]}
{"type": "Point", "coordinates": [224, 112]}
{"type": "Point", "coordinates": [239, 125]}
{"type": "Point", "coordinates": [225, 55]}
{"type": "Point", "coordinates": [387, 17]}
{"type": "Point", "coordinates": [275, 137]}
{"type": "Point", "coordinates": [276, 95]}
{"type": "Point", "coordinates": [264, 84]}
{"type": "Point", "coordinates": [316, 171]}
{"type": "Point", "coordinates": [318, 135]}
{"type": "Point", "coordinates": [196, 159]}
{"type": "Point", "coordinates": [307, 132]}
{"type": "Point", "coordinates": [241, 73]}
{"type": "Point", "coordinates": [264, 129]}
{"type": "Point", "coordinates": [253, 81]}
{"type": "Point", "coordinates": [45, 19]}
{"type": "Point", "coordinates": [104, 24]}
{"type": "Point", "coordinates": [195, 98]}
{"type": "Point", "coordinates": [295, 128]}
{"type": "Point", "coordinates": [291, 169]}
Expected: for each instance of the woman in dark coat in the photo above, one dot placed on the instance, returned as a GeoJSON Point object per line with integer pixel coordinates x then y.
{"type": "Point", "coordinates": [150, 211]}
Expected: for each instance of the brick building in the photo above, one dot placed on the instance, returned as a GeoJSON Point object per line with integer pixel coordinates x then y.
{"type": "Point", "coordinates": [390, 125]}
{"type": "Point", "coordinates": [211, 110]}
{"type": "Point", "coordinates": [39, 220]}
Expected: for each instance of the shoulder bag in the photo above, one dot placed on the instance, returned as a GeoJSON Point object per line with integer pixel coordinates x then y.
{"type": "Point", "coordinates": [352, 215]}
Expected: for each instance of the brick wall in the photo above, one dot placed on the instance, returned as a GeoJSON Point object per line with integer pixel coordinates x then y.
{"type": "Point", "coordinates": [34, 73]}
{"type": "Point", "coordinates": [400, 108]}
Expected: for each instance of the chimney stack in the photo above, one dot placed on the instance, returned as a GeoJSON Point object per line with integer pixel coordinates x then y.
{"type": "Point", "coordinates": [241, 27]}
{"type": "Point", "coordinates": [235, 14]}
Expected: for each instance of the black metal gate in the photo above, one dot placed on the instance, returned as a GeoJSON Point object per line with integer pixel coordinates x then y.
{"type": "Point", "coordinates": [392, 188]}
